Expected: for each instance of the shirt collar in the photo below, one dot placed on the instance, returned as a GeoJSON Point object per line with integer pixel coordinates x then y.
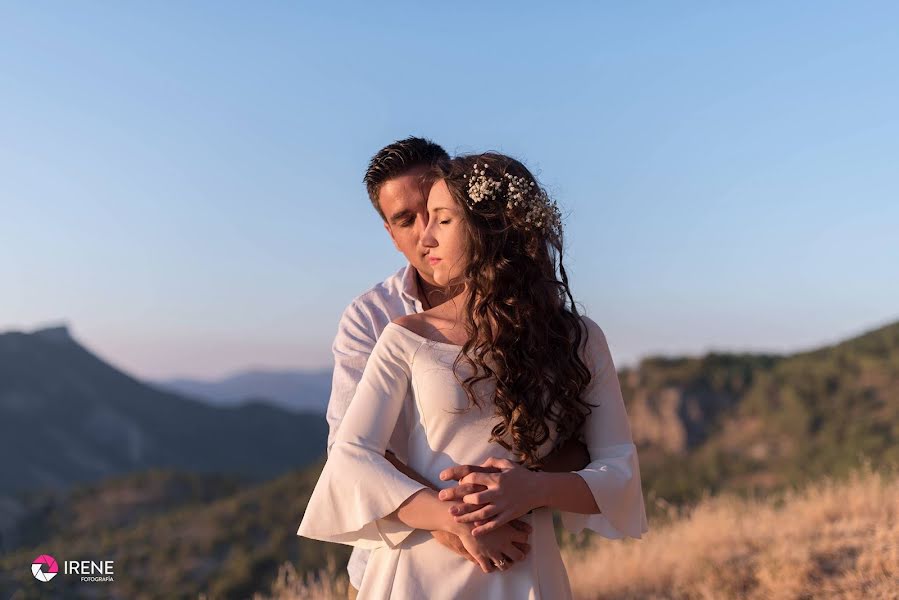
{"type": "Point", "coordinates": [410, 288]}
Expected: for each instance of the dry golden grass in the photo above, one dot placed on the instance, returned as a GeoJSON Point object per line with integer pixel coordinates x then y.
{"type": "Point", "coordinates": [327, 584]}
{"type": "Point", "coordinates": [830, 540]}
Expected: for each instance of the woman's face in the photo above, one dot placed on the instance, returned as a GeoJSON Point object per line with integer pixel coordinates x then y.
{"type": "Point", "coordinates": [445, 236]}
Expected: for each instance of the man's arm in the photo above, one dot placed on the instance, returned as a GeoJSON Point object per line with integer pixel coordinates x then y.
{"type": "Point", "coordinates": [407, 470]}
{"type": "Point", "coordinates": [572, 456]}
{"type": "Point", "coordinates": [352, 346]}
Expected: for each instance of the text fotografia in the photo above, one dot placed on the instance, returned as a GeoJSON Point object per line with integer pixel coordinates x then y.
{"type": "Point", "coordinates": [89, 570]}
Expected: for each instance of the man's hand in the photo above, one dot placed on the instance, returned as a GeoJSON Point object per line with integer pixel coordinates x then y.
{"type": "Point", "coordinates": [452, 541]}
{"type": "Point", "coordinates": [504, 546]}
{"type": "Point", "coordinates": [493, 493]}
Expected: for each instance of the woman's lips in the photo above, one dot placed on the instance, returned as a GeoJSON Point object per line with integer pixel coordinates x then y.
{"type": "Point", "coordinates": [433, 260]}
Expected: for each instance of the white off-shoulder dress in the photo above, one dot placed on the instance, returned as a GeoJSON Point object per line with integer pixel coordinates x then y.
{"type": "Point", "coordinates": [409, 380]}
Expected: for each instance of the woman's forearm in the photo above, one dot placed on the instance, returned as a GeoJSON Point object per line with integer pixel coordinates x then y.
{"type": "Point", "coordinates": [424, 510]}
{"type": "Point", "coordinates": [565, 491]}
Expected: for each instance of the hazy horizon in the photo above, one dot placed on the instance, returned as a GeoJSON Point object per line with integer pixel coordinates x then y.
{"type": "Point", "coordinates": [212, 375]}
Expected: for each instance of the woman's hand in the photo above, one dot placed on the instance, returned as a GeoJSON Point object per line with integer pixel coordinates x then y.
{"type": "Point", "coordinates": [492, 499]}
{"type": "Point", "coordinates": [496, 550]}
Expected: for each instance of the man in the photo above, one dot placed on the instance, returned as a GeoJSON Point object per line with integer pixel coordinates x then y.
{"type": "Point", "coordinates": [398, 193]}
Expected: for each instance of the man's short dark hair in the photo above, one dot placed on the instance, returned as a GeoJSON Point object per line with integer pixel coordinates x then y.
{"type": "Point", "coordinates": [397, 159]}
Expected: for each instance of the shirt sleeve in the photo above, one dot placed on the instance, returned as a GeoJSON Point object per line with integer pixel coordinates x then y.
{"type": "Point", "coordinates": [613, 474]}
{"type": "Point", "coordinates": [358, 487]}
{"type": "Point", "coordinates": [353, 345]}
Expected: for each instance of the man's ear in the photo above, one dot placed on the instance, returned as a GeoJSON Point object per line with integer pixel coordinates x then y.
{"type": "Point", "coordinates": [390, 233]}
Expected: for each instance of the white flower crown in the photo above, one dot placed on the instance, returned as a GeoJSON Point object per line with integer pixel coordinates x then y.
{"type": "Point", "coordinates": [540, 211]}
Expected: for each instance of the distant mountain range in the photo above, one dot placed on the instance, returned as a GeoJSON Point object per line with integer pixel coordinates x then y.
{"type": "Point", "coordinates": [66, 417]}
{"type": "Point", "coordinates": [296, 390]}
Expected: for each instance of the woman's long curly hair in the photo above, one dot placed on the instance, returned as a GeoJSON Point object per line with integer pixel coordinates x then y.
{"type": "Point", "coordinates": [524, 329]}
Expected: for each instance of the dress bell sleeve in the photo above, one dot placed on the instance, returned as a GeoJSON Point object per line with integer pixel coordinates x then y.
{"type": "Point", "coordinates": [613, 474]}
{"type": "Point", "coordinates": [358, 487]}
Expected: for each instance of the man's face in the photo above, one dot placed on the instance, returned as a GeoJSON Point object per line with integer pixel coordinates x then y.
{"type": "Point", "coordinates": [404, 202]}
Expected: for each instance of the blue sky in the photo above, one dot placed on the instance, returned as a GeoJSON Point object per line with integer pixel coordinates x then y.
{"type": "Point", "coordinates": [182, 181]}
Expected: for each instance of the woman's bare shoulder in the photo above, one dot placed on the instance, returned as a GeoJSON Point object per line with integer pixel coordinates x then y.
{"type": "Point", "coordinates": [430, 326]}
{"type": "Point", "coordinates": [416, 323]}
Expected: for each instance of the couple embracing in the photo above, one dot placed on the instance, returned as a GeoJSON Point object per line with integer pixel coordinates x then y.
{"type": "Point", "coordinates": [470, 398]}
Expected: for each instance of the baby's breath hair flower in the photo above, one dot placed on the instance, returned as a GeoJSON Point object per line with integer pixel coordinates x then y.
{"type": "Point", "coordinates": [480, 186]}
{"type": "Point", "coordinates": [522, 195]}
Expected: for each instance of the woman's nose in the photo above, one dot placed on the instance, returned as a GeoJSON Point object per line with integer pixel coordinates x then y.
{"type": "Point", "coordinates": [427, 238]}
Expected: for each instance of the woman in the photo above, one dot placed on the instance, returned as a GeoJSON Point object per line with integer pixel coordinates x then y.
{"type": "Point", "coordinates": [500, 375]}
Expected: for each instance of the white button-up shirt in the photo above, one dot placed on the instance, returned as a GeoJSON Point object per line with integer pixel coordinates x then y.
{"type": "Point", "coordinates": [360, 326]}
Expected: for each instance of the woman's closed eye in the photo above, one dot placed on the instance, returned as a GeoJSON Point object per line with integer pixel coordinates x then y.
{"type": "Point", "coordinates": [444, 222]}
